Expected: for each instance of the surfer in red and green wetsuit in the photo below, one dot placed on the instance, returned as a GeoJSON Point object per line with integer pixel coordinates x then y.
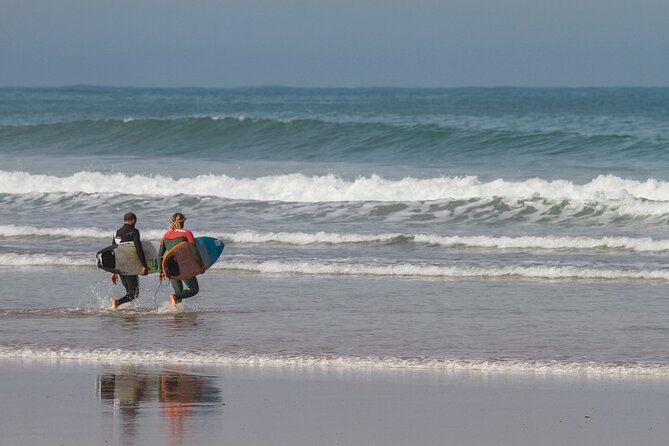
{"type": "Point", "coordinates": [172, 238]}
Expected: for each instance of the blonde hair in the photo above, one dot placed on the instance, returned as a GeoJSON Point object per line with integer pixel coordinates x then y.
{"type": "Point", "coordinates": [177, 222]}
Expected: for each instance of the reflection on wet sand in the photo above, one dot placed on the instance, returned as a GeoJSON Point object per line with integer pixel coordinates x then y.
{"type": "Point", "coordinates": [133, 392]}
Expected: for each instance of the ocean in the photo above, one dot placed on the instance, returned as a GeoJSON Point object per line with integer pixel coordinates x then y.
{"type": "Point", "coordinates": [500, 229]}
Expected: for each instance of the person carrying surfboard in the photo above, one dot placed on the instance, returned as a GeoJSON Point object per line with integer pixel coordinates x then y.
{"type": "Point", "coordinates": [128, 233]}
{"type": "Point", "coordinates": [176, 235]}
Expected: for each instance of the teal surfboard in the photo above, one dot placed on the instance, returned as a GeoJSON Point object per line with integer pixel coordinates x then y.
{"type": "Point", "coordinates": [210, 249]}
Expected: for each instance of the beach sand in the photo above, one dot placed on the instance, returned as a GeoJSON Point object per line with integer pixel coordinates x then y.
{"type": "Point", "coordinates": [85, 403]}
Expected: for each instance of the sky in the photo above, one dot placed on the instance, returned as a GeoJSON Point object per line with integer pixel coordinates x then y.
{"type": "Point", "coordinates": [334, 43]}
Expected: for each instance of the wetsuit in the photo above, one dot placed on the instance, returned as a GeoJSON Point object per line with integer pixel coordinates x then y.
{"type": "Point", "coordinates": [128, 233]}
{"type": "Point", "coordinates": [170, 240]}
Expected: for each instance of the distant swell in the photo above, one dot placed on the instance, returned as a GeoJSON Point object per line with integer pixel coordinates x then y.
{"type": "Point", "coordinates": [567, 368]}
{"type": "Point", "coordinates": [310, 138]}
{"type": "Point", "coordinates": [239, 136]}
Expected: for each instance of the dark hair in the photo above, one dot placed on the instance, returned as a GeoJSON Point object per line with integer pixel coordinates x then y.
{"type": "Point", "coordinates": [129, 216]}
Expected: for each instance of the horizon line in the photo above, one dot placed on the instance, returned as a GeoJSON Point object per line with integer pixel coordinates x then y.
{"type": "Point", "coordinates": [294, 87]}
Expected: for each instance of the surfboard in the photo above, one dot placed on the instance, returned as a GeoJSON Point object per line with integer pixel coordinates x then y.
{"type": "Point", "coordinates": [122, 258]}
{"type": "Point", "coordinates": [180, 264]}
{"type": "Point", "coordinates": [210, 249]}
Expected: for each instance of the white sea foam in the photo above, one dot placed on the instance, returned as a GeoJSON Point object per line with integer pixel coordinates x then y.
{"type": "Point", "coordinates": [568, 368]}
{"type": "Point", "coordinates": [13, 259]}
{"type": "Point", "coordinates": [240, 118]}
{"type": "Point", "coordinates": [303, 238]}
{"type": "Point", "coordinates": [643, 244]}
{"type": "Point", "coordinates": [633, 196]}
{"type": "Point", "coordinates": [407, 270]}
{"type": "Point", "coordinates": [240, 237]}
{"type": "Point", "coordinates": [444, 271]}
{"type": "Point", "coordinates": [75, 232]}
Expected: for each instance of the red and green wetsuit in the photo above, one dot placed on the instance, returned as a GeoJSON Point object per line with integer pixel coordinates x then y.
{"type": "Point", "coordinates": [171, 239]}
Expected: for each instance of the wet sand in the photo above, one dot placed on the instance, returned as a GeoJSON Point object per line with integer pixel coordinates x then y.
{"type": "Point", "coordinates": [73, 403]}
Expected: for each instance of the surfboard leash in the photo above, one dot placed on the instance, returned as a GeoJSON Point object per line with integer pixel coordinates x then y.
{"type": "Point", "coordinates": [160, 284]}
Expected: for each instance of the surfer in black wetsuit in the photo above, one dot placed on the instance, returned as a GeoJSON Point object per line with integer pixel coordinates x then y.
{"type": "Point", "coordinates": [128, 233]}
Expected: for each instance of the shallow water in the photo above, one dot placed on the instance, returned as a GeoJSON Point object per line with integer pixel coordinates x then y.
{"type": "Point", "coordinates": [513, 325]}
{"type": "Point", "coordinates": [495, 229]}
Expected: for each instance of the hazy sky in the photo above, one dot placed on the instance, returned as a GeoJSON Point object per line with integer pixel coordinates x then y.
{"type": "Point", "coordinates": [422, 43]}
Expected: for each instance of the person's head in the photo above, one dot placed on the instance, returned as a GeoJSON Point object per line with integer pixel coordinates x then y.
{"type": "Point", "coordinates": [177, 222]}
{"type": "Point", "coordinates": [130, 218]}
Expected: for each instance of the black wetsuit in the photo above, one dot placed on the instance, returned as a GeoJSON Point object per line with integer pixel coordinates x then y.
{"type": "Point", "coordinates": [128, 233]}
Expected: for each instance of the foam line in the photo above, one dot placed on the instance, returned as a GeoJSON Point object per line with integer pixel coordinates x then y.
{"type": "Point", "coordinates": [643, 244]}
{"type": "Point", "coordinates": [443, 271]}
{"type": "Point", "coordinates": [13, 259]}
{"type": "Point", "coordinates": [74, 232]}
{"type": "Point", "coordinates": [408, 270]}
{"type": "Point", "coordinates": [330, 188]}
{"type": "Point", "coordinates": [568, 368]}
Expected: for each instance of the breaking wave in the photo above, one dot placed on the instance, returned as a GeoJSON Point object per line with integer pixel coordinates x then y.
{"type": "Point", "coordinates": [649, 196]}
